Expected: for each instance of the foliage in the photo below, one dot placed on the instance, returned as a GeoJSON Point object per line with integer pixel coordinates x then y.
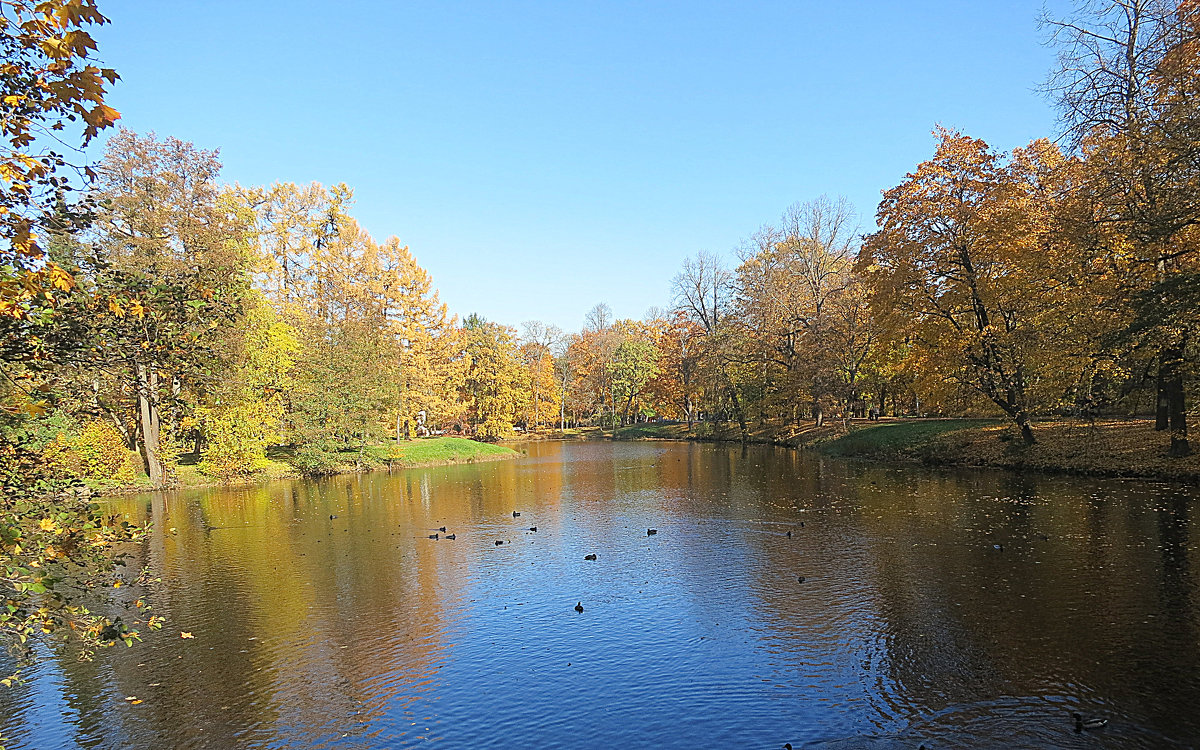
{"type": "Point", "coordinates": [311, 460]}
{"type": "Point", "coordinates": [495, 382]}
{"type": "Point", "coordinates": [46, 82]}
{"type": "Point", "coordinates": [54, 543]}
{"type": "Point", "coordinates": [97, 454]}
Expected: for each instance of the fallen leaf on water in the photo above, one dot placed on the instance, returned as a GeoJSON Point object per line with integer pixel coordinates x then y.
{"type": "Point", "coordinates": [185, 634]}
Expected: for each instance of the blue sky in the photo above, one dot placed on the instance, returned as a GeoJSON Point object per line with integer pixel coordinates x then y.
{"type": "Point", "coordinates": [540, 157]}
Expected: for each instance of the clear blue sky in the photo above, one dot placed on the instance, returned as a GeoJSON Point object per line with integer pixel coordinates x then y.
{"type": "Point", "coordinates": [540, 157]}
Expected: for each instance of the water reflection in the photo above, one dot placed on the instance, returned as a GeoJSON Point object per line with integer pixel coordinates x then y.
{"type": "Point", "coordinates": [951, 609]}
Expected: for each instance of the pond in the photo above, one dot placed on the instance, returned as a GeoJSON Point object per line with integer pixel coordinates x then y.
{"type": "Point", "coordinates": [944, 608]}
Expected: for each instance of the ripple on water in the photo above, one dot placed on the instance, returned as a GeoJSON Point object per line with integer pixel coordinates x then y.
{"type": "Point", "coordinates": [360, 632]}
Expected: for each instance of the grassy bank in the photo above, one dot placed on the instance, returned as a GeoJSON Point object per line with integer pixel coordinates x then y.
{"type": "Point", "coordinates": [1127, 448]}
{"type": "Point", "coordinates": [286, 463]}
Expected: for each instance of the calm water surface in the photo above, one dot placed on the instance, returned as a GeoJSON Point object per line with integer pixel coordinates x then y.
{"type": "Point", "coordinates": [910, 627]}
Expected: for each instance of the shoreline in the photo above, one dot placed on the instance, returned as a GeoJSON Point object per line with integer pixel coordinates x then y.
{"type": "Point", "coordinates": [1112, 448]}
{"type": "Point", "coordinates": [279, 470]}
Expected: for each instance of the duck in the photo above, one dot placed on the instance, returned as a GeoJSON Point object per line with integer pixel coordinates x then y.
{"type": "Point", "coordinates": [800, 579]}
{"type": "Point", "coordinates": [111, 631]}
{"type": "Point", "coordinates": [499, 542]}
{"type": "Point", "coordinates": [441, 528]}
{"type": "Point", "coordinates": [579, 607]}
{"type": "Point", "coordinates": [451, 537]}
{"type": "Point", "coordinates": [789, 534]}
{"type": "Point", "coordinates": [590, 557]}
{"type": "Point", "coordinates": [332, 516]}
{"type": "Point", "coordinates": [1082, 723]}
{"type": "Point", "coordinates": [533, 528]}
{"type": "Point", "coordinates": [651, 532]}
{"type": "Point", "coordinates": [516, 513]}
{"type": "Point", "coordinates": [433, 536]}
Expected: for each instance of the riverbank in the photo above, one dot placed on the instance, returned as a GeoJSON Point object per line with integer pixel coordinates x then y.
{"type": "Point", "coordinates": [1115, 447]}
{"type": "Point", "coordinates": [308, 461]}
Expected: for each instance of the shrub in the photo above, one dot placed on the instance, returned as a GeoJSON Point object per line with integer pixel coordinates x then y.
{"type": "Point", "coordinates": [235, 445]}
{"type": "Point", "coordinates": [96, 454]}
{"type": "Point", "coordinates": [493, 429]}
{"type": "Point", "coordinates": [311, 461]}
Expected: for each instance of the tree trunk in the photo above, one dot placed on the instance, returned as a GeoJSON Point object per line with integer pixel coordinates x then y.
{"type": "Point", "coordinates": [148, 422]}
{"type": "Point", "coordinates": [1162, 412]}
{"type": "Point", "coordinates": [1172, 399]}
{"type": "Point", "coordinates": [129, 439]}
{"type": "Point", "coordinates": [737, 412]}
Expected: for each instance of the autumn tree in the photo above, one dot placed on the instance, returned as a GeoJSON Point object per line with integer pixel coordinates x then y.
{"type": "Point", "coordinates": [634, 364]}
{"type": "Point", "coordinates": [169, 262]}
{"type": "Point", "coordinates": [675, 389]}
{"type": "Point", "coordinates": [796, 298]}
{"type": "Point", "coordinates": [964, 266]}
{"type": "Point", "coordinates": [704, 292]}
{"type": "Point", "coordinates": [495, 382]}
{"type": "Point", "coordinates": [538, 342]}
{"type": "Point", "coordinates": [47, 83]}
{"type": "Point", "coordinates": [1126, 85]}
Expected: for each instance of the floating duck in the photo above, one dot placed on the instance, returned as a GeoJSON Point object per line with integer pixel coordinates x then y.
{"type": "Point", "coordinates": [451, 537]}
{"type": "Point", "coordinates": [433, 536]}
{"type": "Point", "coordinates": [651, 532]}
{"type": "Point", "coordinates": [441, 528]}
{"type": "Point", "coordinates": [1082, 723]}
{"type": "Point", "coordinates": [533, 528]}
{"type": "Point", "coordinates": [499, 542]}
{"type": "Point", "coordinates": [579, 607]}
{"type": "Point", "coordinates": [589, 557]}
{"type": "Point", "coordinates": [800, 579]}
{"type": "Point", "coordinates": [789, 534]}
{"type": "Point", "coordinates": [332, 516]}
{"type": "Point", "coordinates": [516, 513]}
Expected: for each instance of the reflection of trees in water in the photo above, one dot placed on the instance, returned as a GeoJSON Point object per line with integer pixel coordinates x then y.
{"type": "Point", "coordinates": [317, 624]}
{"type": "Point", "coordinates": [919, 591]}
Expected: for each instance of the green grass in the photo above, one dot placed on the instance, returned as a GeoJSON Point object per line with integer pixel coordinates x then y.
{"type": "Point", "coordinates": [896, 438]}
{"type": "Point", "coordinates": [445, 450]}
{"type": "Point", "coordinates": [312, 461]}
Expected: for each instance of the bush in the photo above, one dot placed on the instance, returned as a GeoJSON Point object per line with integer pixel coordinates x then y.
{"type": "Point", "coordinates": [235, 445]}
{"type": "Point", "coordinates": [493, 429]}
{"type": "Point", "coordinates": [311, 461]}
{"type": "Point", "coordinates": [96, 454]}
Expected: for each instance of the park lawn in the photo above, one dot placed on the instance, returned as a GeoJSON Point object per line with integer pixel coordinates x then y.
{"type": "Point", "coordinates": [446, 450]}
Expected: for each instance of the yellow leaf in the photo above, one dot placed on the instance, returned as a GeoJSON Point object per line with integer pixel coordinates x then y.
{"type": "Point", "coordinates": [185, 634]}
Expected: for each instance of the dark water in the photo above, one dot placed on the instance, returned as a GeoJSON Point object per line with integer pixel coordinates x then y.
{"type": "Point", "coordinates": [910, 628]}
